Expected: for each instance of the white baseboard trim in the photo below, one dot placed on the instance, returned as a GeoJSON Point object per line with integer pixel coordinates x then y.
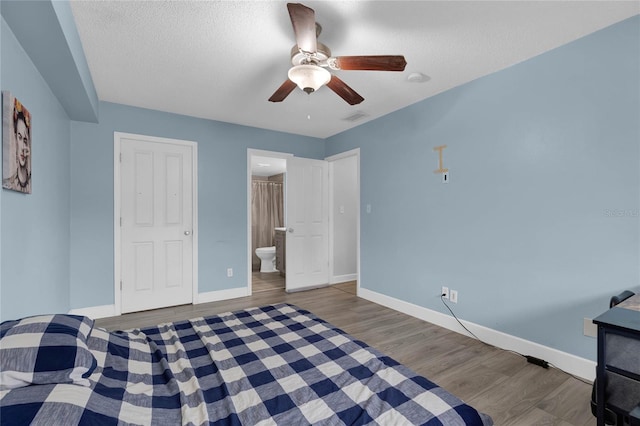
{"type": "Point", "coordinates": [95, 312]}
{"type": "Point", "coordinates": [337, 279]}
{"type": "Point", "coordinates": [105, 311]}
{"type": "Point", "coordinates": [572, 364]}
{"type": "Point", "coordinates": [218, 295]}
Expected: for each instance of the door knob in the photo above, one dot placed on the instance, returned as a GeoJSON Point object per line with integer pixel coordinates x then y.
{"type": "Point", "coordinates": [187, 232]}
{"type": "Point", "coordinates": [290, 230]}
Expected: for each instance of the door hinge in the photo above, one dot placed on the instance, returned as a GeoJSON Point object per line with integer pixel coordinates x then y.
{"type": "Point", "coordinates": [121, 157]}
{"type": "Point", "coordinates": [121, 222]}
{"type": "Point", "coordinates": [120, 285]}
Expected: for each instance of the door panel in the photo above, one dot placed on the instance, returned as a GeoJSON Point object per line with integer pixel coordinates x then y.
{"type": "Point", "coordinates": [143, 169]}
{"type": "Point", "coordinates": [143, 266]}
{"type": "Point", "coordinates": [173, 194]}
{"type": "Point", "coordinates": [173, 265]}
{"type": "Point", "coordinates": [156, 226]}
{"type": "Point", "coordinates": [307, 222]}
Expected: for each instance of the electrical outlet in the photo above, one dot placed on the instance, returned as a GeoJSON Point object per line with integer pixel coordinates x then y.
{"type": "Point", "coordinates": [453, 296]}
{"type": "Point", "coordinates": [589, 328]}
{"type": "Point", "coordinates": [229, 272]}
{"type": "Point", "coordinates": [445, 292]}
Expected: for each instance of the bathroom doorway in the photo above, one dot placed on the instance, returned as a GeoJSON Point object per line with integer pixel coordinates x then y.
{"type": "Point", "coordinates": [338, 260]}
{"type": "Point", "coordinates": [266, 201]}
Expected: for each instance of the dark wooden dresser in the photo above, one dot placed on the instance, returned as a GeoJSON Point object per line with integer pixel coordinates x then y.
{"type": "Point", "coordinates": [618, 370]}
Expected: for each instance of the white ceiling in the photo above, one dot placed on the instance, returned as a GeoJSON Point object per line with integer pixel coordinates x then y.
{"type": "Point", "coordinates": [222, 60]}
{"type": "Point", "coordinates": [267, 166]}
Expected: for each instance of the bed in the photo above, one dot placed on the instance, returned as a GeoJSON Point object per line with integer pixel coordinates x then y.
{"type": "Point", "coordinates": [275, 364]}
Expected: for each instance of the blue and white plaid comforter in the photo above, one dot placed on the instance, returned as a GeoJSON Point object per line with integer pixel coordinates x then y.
{"type": "Point", "coordinates": [270, 365]}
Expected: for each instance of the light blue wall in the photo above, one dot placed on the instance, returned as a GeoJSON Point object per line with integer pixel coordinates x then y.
{"type": "Point", "coordinates": [47, 32]}
{"type": "Point", "coordinates": [222, 198]}
{"type": "Point", "coordinates": [538, 227]}
{"type": "Point", "coordinates": [540, 223]}
{"type": "Point", "coordinates": [35, 228]}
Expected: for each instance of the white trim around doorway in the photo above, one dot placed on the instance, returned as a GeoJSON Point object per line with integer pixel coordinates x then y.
{"type": "Point", "coordinates": [258, 153]}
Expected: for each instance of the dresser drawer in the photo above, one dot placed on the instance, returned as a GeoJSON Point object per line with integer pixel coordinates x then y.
{"type": "Point", "coordinates": [623, 353]}
{"type": "Point", "coordinates": [622, 392]}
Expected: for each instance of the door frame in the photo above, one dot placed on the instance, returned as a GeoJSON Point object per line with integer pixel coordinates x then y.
{"type": "Point", "coordinates": [117, 232]}
{"type": "Point", "coordinates": [351, 153]}
{"type": "Point", "coordinates": [258, 153]}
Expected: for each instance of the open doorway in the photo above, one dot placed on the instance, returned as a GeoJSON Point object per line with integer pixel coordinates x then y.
{"type": "Point", "coordinates": [310, 251]}
{"type": "Point", "coordinates": [266, 204]}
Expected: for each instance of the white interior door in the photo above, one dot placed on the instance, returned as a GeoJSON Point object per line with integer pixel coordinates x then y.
{"type": "Point", "coordinates": [307, 255]}
{"type": "Point", "coordinates": [156, 224]}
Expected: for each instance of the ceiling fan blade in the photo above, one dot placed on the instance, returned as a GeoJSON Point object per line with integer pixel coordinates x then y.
{"type": "Point", "coordinates": [283, 91]}
{"type": "Point", "coordinates": [303, 19]}
{"type": "Point", "coordinates": [370, 63]}
{"type": "Point", "coordinates": [344, 91]}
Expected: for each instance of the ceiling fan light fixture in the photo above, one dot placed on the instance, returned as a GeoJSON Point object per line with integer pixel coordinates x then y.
{"type": "Point", "coordinates": [417, 77]}
{"type": "Point", "coordinates": [309, 77]}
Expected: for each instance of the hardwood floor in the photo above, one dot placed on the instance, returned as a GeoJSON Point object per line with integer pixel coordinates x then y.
{"type": "Point", "coordinates": [499, 383]}
{"type": "Point", "coordinates": [266, 281]}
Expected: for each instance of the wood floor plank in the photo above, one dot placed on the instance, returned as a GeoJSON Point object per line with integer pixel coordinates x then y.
{"type": "Point", "coordinates": [523, 391]}
{"type": "Point", "coordinates": [536, 417]}
{"type": "Point", "coordinates": [499, 383]}
{"type": "Point", "coordinates": [505, 362]}
{"type": "Point", "coordinates": [471, 378]}
{"type": "Point", "coordinates": [570, 401]}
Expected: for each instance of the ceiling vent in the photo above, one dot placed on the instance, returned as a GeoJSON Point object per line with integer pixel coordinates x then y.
{"type": "Point", "coordinates": [359, 115]}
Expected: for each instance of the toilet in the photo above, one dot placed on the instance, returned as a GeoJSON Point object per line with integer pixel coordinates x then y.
{"type": "Point", "coordinates": [267, 257]}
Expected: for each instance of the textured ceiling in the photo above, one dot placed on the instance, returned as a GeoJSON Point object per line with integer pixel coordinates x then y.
{"type": "Point", "coordinates": [222, 60]}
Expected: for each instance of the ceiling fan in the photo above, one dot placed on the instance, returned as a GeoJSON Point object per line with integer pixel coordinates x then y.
{"type": "Point", "coordinates": [310, 58]}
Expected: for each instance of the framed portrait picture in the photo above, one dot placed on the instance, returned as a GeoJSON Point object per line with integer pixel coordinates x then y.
{"type": "Point", "coordinates": [16, 145]}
